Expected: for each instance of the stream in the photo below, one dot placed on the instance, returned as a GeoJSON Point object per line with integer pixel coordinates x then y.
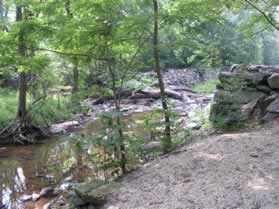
{"type": "Point", "coordinates": [28, 169]}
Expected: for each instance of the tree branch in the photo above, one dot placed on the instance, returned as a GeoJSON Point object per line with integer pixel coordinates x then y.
{"type": "Point", "coordinates": [62, 53]}
{"type": "Point", "coordinates": [267, 18]}
{"type": "Point", "coordinates": [72, 54]}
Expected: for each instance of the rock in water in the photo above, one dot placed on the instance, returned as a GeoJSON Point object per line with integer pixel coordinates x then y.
{"type": "Point", "coordinates": [47, 192]}
{"type": "Point", "coordinates": [25, 198]}
{"type": "Point", "coordinates": [47, 206]}
{"type": "Point", "coordinates": [194, 126]}
{"type": "Point", "coordinates": [62, 128]}
{"type": "Point", "coordinates": [35, 196]}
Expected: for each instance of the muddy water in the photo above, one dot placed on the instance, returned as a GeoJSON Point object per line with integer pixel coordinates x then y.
{"type": "Point", "coordinates": [28, 169]}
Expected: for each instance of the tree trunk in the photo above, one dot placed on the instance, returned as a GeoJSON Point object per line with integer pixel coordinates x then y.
{"type": "Point", "coordinates": [68, 8]}
{"type": "Point", "coordinates": [75, 76]}
{"type": "Point", "coordinates": [117, 99]}
{"type": "Point", "coordinates": [167, 133]}
{"type": "Point", "coordinates": [75, 60]}
{"type": "Point", "coordinates": [22, 112]}
{"type": "Point", "coordinates": [121, 137]}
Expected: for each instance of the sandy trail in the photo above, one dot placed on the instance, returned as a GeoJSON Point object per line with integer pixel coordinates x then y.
{"type": "Point", "coordinates": [237, 170]}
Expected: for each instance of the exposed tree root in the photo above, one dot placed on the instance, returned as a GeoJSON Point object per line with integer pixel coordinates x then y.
{"type": "Point", "coordinates": [19, 133]}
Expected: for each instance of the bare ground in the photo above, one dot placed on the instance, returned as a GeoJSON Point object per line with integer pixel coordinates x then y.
{"type": "Point", "coordinates": [237, 170]}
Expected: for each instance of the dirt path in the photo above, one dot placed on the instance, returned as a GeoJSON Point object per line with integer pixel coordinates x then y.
{"type": "Point", "coordinates": [239, 170]}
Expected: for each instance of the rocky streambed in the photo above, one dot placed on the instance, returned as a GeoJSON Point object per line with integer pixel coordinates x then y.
{"type": "Point", "coordinates": [178, 83]}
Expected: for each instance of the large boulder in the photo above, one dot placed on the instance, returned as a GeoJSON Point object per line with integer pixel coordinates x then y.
{"type": "Point", "coordinates": [273, 107]}
{"type": "Point", "coordinates": [247, 92]}
{"type": "Point", "coordinates": [91, 193]}
{"type": "Point", "coordinates": [273, 81]}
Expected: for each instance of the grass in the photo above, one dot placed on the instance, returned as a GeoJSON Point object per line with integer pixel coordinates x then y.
{"type": "Point", "coordinates": [8, 106]}
{"type": "Point", "coordinates": [53, 109]}
{"type": "Point", "coordinates": [206, 87]}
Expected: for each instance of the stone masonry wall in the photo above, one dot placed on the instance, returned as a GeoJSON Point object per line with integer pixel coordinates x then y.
{"type": "Point", "coordinates": [246, 93]}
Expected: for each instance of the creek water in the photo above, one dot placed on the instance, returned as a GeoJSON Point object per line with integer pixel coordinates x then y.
{"type": "Point", "coordinates": [28, 169]}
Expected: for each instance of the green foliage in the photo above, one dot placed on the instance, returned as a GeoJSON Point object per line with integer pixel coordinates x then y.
{"type": "Point", "coordinates": [52, 110]}
{"type": "Point", "coordinates": [182, 137]}
{"type": "Point", "coordinates": [140, 84]}
{"type": "Point", "coordinates": [206, 87]}
{"type": "Point", "coordinates": [106, 145]}
{"type": "Point", "coordinates": [221, 124]}
{"type": "Point", "coordinates": [96, 91]}
{"type": "Point", "coordinates": [201, 116]}
{"type": "Point", "coordinates": [270, 46]}
{"type": "Point", "coordinates": [154, 124]}
{"type": "Point", "coordinates": [112, 39]}
{"type": "Point", "coordinates": [8, 107]}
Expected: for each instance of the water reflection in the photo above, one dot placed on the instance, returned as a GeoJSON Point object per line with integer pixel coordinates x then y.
{"type": "Point", "coordinates": [12, 181]}
{"type": "Point", "coordinates": [6, 195]}
{"type": "Point", "coordinates": [19, 180]}
{"type": "Point", "coordinates": [28, 169]}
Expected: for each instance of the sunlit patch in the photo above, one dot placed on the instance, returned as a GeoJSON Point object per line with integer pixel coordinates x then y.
{"type": "Point", "coordinates": [231, 136]}
{"type": "Point", "coordinates": [6, 197]}
{"type": "Point", "coordinates": [194, 146]}
{"type": "Point", "coordinates": [217, 157]}
{"type": "Point", "coordinates": [259, 184]}
{"type": "Point", "coordinates": [19, 180]}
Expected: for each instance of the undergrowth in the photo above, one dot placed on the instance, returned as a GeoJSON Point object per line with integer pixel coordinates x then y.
{"type": "Point", "coordinates": [8, 106]}
{"type": "Point", "coordinates": [45, 112]}
{"type": "Point", "coordinates": [52, 110]}
{"type": "Point", "coordinates": [206, 87]}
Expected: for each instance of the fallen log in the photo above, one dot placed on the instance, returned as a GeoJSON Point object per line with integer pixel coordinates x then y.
{"type": "Point", "coordinates": [155, 94]}
{"type": "Point", "coordinates": [185, 90]}
{"type": "Point", "coordinates": [139, 94]}
{"type": "Point", "coordinates": [102, 100]}
{"type": "Point", "coordinates": [120, 93]}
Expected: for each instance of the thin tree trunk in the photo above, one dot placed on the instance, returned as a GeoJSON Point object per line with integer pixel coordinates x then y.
{"type": "Point", "coordinates": [1, 9]}
{"type": "Point", "coordinates": [167, 133]}
{"type": "Point", "coordinates": [119, 124]}
{"type": "Point", "coordinates": [4, 14]}
{"type": "Point", "coordinates": [121, 138]}
{"type": "Point", "coordinates": [75, 60]}
{"type": "Point", "coordinates": [21, 113]}
{"type": "Point", "coordinates": [68, 8]}
{"type": "Point", "coordinates": [75, 76]}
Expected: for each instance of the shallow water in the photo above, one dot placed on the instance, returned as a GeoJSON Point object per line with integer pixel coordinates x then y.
{"type": "Point", "coordinates": [28, 169]}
